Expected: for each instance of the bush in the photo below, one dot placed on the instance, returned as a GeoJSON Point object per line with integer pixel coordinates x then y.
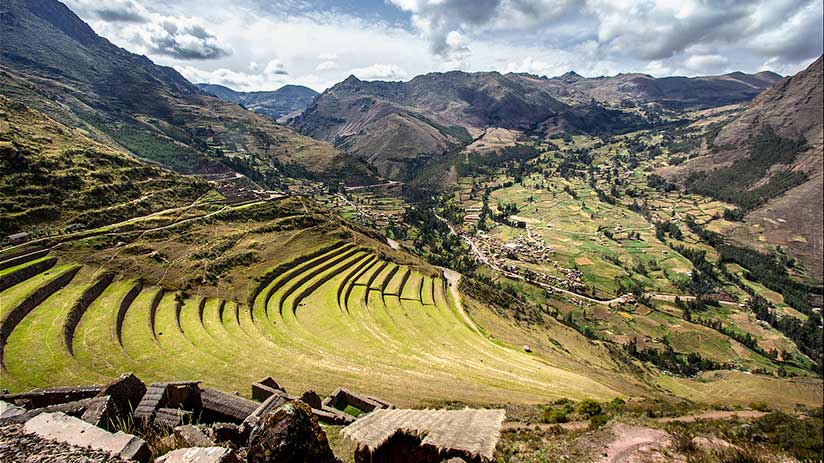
{"type": "Point", "coordinates": [589, 408]}
{"type": "Point", "coordinates": [555, 415]}
{"type": "Point", "coordinates": [598, 421]}
{"type": "Point", "coordinates": [760, 406]}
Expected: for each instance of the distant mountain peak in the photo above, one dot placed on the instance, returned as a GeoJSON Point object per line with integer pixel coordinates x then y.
{"type": "Point", "coordinates": [571, 76]}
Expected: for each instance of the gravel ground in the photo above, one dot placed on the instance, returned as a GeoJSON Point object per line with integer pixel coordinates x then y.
{"type": "Point", "coordinates": [18, 447]}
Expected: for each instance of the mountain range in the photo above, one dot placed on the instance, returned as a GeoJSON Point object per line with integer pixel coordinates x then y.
{"type": "Point", "coordinates": [283, 102]}
{"type": "Point", "coordinates": [54, 62]}
{"type": "Point", "coordinates": [398, 125]}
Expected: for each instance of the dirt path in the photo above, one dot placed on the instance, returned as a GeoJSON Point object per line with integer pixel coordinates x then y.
{"type": "Point", "coordinates": [683, 297]}
{"type": "Point", "coordinates": [632, 442]}
{"type": "Point", "coordinates": [454, 279]}
{"type": "Point", "coordinates": [580, 425]}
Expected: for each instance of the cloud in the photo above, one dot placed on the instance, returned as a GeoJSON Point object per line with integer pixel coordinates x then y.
{"type": "Point", "coordinates": [440, 20]}
{"type": "Point", "coordinates": [327, 66]}
{"type": "Point", "coordinates": [640, 33]}
{"type": "Point", "coordinates": [112, 10]}
{"type": "Point", "coordinates": [380, 72]}
{"type": "Point", "coordinates": [275, 68]}
{"type": "Point", "coordinates": [233, 41]}
{"type": "Point", "coordinates": [182, 37]}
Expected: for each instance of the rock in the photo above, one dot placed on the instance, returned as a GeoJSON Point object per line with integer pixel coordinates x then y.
{"type": "Point", "coordinates": [126, 391]}
{"type": "Point", "coordinates": [312, 399]}
{"type": "Point", "coordinates": [200, 455]}
{"type": "Point", "coordinates": [193, 436]}
{"type": "Point", "coordinates": [74, 431]}
{"type": "Point", "coordinates": [289, 434]}
{"type": "Point", "coordinates": [8, 410]}
{"type": "Point", "coordinates": [333, 416]}
{"type": "Point", "coordinates": [262, 389]}
{"type": "Point", "coordinates": [225, 433]}
{"type": "Point", "coordinates": [102, 412]}
{"type": "Point", "coordinates": [272, 402]}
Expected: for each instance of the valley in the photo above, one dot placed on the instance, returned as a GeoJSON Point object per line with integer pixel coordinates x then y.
{"type": "Point", "coordinates": [622, 268]}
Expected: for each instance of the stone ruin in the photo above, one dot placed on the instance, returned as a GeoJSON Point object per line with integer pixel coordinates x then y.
{"type": "Point", "coordinates": [203, 425]}
{"type": "Point", "coordinates": [214, 427]}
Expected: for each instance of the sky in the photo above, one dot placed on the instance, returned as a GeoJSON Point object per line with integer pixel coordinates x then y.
{"type": "Point", "coordinates": [251, 45]}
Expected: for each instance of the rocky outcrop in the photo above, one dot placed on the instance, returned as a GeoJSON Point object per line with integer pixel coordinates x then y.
{"type": "Point", "coordinates": [289, 434]}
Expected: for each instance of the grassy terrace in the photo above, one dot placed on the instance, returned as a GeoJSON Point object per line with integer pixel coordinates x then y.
{"type": "Point", "coordinates": [406, 340]}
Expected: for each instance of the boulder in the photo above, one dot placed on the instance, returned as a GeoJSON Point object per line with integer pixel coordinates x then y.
{"type": "Point", "coordinates": [193, 436]}
{"type": "Point", "coordinates": [74, 431]}
{"type": "Point", "coordinates": [225, 433]}
{"type": "Point", "coordinates": [126, 391]}
{"type": "Point", "coordinates": [262, 389]}
{"type": "Point", "coordinates": [289, 433]}
{"type": "Point", "coordinates": [200, 455]}
{"type": "Point", "coordinates": [102, 412]}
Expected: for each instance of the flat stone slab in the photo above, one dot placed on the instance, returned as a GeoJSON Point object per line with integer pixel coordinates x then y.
{"type": "Point", "coordinates": [200, 455]}
{"type": "Point", "coordinates": [74, 431]}
{"type": "Point", "coordinates": [8, 410]}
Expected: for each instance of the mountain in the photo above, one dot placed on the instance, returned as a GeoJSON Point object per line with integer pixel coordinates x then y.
{"type": "Point", "coordinates": [53, 61]}
{"type": "Point", "coordinates": [283, 102]}
{"type": "Point", "coordinates": [399, 125]}
{"type": "Point", "coordinates": [768, 162]}
{"type": "Point", "coordinates": [670, 92]}
{"type": "Point", "coordinates": [56, 178]}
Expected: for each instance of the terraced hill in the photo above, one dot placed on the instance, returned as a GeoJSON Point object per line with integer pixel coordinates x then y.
{"type": "Point", "coordinates": [342, 315]}
{"type": "Point", "coordinates": [229, 294]}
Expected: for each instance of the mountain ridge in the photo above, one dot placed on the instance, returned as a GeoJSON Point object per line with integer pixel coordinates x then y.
{"type": "Point", "coordinates": [284, 102]}
{"type": "Point", "coordinates": [53, 61]}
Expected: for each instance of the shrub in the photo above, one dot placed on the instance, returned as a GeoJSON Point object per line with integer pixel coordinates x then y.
{"type": "Point", "coordinates": [589, 408]}
{"type": "Point", "coordinates": [555, 415]}
{"type": "Point", "coordinates": [598, 421]}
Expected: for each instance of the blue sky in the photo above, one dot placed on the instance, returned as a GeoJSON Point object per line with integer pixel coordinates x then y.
{"type": "Point", "coordinates": [262, 45]}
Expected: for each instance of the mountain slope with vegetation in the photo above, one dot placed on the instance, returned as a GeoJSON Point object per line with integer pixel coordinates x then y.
{"type": "Point", "coordinates": [283, 102]}
{"type": "Point", "coordinates": [767, 162]}
{"type": "Point", "coordinates": [52, 60]}
{"type": "Point", "coordinates": [56, 178]}
{"type": "Point", "coordinates": [402, 126]}
{"type": "Point", "coordinates": [670, 92]}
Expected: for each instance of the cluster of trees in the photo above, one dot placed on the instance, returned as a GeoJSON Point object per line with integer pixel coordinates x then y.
{"type": "Point", "coordinates": [660, 183]}
{"type": "Point", "coordinates": [436, 242]}
{"type": "Point", "coordinates": [667, 359]}
{"type": "Point", "coordinates": [662, 229]}
{"type": "Point", "coordinates": [807, 335]}
{"type": "Point", "coordinates": [734, 184]}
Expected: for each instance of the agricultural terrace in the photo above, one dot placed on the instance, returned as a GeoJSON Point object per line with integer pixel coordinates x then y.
{"type": "Point", "coordinates": [591, 203]}
{"type": "Point", "coordinates": [336, 312]}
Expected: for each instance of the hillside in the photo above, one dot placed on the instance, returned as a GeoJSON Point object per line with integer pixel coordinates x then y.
{"type": "Point", "coordinates": [771, 168]}
{"type": "Point", "coordinates": [670, 92]}
{"type": "Point", "coordinates": [54, 177]}
{"type": "Point", "coordinates": [402, 126]}
{"type": "Point", "coordinates": [53, 61]}
{"type": "Point", "coordinates": [283, 102]}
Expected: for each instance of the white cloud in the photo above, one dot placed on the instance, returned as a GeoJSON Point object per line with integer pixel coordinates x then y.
{"type": "Point", "coordinates": [320, 47]}
{"type": "Point", "coordinates": [327, 66]}
{"type": "Point", "coordinates": [380, 72]}
{"type": "Point", "coordinates": [127, 21]}
{"type": "Point", "coordinates": [275, 67]}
